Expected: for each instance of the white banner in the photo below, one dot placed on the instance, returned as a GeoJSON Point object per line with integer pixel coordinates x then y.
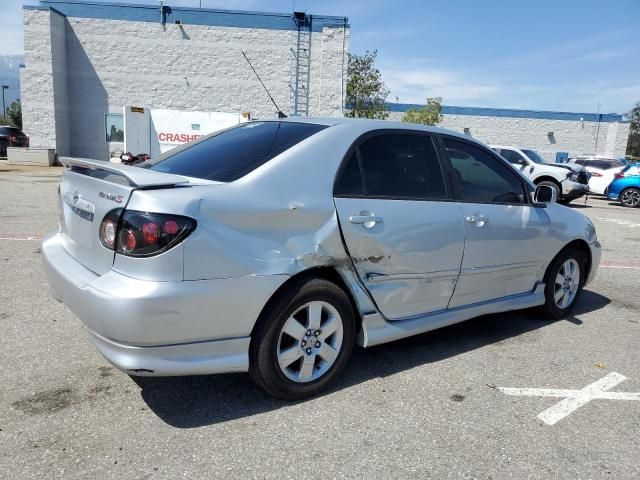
{"type": "Point", "coordinates": [170, 128]}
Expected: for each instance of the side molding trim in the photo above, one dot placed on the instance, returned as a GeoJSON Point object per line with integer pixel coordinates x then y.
{"type": "Point", "coordinates": [377, 330]}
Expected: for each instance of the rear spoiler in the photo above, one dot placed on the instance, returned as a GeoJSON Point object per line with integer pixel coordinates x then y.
{"type": "Point", "coordinates": [137, 177]}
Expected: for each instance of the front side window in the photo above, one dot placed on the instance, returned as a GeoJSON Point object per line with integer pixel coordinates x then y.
{"type": "Point", "coordinates": [534, 156]}
{"type": "Point", "coordinates": [114, 127]}
{"type": "Point", "coordinates": [482, 177]}
{"type": "Point", "coordinates": [512, 156]}
{"type": "Point", "coordinates": [233, 153]}
{"type": "Point", "coordinates": [401, 166]}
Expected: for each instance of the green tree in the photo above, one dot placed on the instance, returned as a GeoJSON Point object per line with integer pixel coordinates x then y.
{"type": "Point", "coordinates": [430, 114]}
{"type": "Point", "coordinates": [366, 92]}
{"type": "Point", "coordinates": [633, 144]}
{"type": "Point", "coordinates": [14, 114]}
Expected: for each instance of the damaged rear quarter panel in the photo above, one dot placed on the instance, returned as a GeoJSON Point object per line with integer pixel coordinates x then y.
{"type": "Point", "coordinates": [279, 219]}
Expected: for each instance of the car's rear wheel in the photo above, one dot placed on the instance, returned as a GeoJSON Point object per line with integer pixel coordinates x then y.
{"type": "Point", "coordinates": [303, 340]}
{"type": "Point", "coordinates": [563, 283]}
{"type": "Point", "coordinates": [630, 197]}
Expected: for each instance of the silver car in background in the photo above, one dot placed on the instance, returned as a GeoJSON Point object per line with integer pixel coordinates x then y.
{"type": "Point", "coordinates": [275, 246]}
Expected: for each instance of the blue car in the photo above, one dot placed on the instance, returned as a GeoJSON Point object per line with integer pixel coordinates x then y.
{"type": "Point", "coordinates": [626, 186]}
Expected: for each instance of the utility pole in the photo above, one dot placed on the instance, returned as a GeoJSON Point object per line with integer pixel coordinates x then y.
{"type": "Point", "coordinates": [597, 128]}
{"type": "Point", "coordinates": [4, 107]}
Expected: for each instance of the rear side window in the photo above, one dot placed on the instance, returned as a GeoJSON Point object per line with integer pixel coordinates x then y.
{"type": "Point", "coordinates": [609, 164]}
{"type": "Point", "coordinates": [10, 131]}
{"type": "Point", "coordinates": [233, 153]}
{"type": "Point", "coordinates": [482, 177]}
{"type": "Point", "coordinates": [401, 166]}
{"type": "Point", "coordinates": [350, 180]}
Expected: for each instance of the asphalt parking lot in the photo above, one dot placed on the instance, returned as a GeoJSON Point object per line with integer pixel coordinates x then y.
{"type": "Point", "coordinates": [432, 406]}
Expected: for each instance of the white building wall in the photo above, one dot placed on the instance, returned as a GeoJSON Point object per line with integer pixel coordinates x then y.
{"type": "Point", "coordinates": [186, 67]}
{"type": "Point", "coordinates": [574, 137]}
{"type": "Point", "coordinates": [37, 87]}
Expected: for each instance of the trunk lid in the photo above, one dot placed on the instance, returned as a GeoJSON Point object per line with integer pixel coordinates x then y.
{"type": "Point", "coordinates": [90, 189]}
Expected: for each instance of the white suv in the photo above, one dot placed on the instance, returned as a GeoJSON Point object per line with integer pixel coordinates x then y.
{"type": "Point", "coordinates": [569, 181]}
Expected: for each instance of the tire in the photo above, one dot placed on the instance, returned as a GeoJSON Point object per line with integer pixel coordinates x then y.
{"type": "Point", "coordinates": [311, 356]}
{"type": "Point", "coordinates": [556, 187]}
{"type": "Point", "coordinates": [630, 197]}
{"type": "Point", "coordinates": [557, 304]}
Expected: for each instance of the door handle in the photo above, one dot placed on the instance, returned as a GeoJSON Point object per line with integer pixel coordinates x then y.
{"type": "Point", "coordinates": [367, 221]}
{"type": "Point", "coordinates": [477, 220]}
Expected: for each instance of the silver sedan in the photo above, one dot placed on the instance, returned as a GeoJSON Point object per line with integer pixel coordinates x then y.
{"type": "Point", "coordinates": [275, 246]}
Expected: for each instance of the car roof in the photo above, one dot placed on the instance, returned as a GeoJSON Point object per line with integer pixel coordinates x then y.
{"type": "Point", "coordinates": [370, 125]}
{"type": "Point", "coordinates": [507, 146]}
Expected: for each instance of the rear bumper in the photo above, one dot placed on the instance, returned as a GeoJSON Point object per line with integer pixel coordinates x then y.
{"type": "Point", "coordinates": [161, 328]}
{"type": "Point", "coordinates": [200, 358]}
{"type": "Point", "coordinates": [612, 195]}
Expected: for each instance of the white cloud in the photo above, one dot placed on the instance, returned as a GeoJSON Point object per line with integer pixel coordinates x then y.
{"type": "Point", "coordinates": [415, 85]}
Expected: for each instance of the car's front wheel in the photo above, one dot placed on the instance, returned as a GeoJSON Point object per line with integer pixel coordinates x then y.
{"type": "Point", "coordinates": [563, 283]}
{"type": "Point", "coordinates": [630, 197]}
{"type": "Point", "coordinates": [556, 188]}
{"type": "Point", "coordinates": [303, 340]}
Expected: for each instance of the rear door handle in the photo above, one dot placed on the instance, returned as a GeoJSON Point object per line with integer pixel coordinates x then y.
{"type": "Point", "coordinates": [367, 221]}
{"type": "Point", "coordinates": [477, 220]}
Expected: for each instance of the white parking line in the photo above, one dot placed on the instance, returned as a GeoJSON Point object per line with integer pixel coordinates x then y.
{"type": "Point", "coordinates": [21, 239]}
{"type": "Point", "coordinates": [574, 399]}
{"type": "Point", "coordinates": [618, 221]}
{"type": "Point", "coordinates": [620, 266]}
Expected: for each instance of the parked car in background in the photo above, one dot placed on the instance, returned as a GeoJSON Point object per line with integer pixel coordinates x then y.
{"type": "Point", "coordinates": [625, 186]}
{"type": "Point", "coordinates": [273, 246]}
{"type": "Point", "coordinates": [602, 170]}
{"type": "Point", "coordinates": [11, 137]}
{"type": "Point", "coordinates": [568, 181]}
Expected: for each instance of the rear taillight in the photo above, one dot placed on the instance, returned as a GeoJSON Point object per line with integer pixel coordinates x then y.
{"type": "Point", "coordinates": [143, 234]}
{"type": "Point", "coordinates": [619, 175]}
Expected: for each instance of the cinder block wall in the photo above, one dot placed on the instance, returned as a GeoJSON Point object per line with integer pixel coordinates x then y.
{"type": "Point", "coordinates": [110, 63]}
{"type": "Point", "coordinates": [37, 81]}
{"type": "Point", "coordinates": [572, 136]}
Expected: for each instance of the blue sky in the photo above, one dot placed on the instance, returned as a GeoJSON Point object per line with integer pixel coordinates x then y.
{"type": "Point", "coordinates": [547, 55]}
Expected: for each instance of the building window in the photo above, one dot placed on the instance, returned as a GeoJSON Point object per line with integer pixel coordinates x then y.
{"type": "Point", "coordinates": [114, 127]}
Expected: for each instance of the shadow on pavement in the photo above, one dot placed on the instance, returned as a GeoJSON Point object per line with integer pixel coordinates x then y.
{"type": "Point", "coordinates": [189, 402]}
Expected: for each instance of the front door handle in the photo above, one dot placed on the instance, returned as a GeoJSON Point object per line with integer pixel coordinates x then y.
{"type": "Point", "coordinates": [477, 220]}
{"type": "Point", "coordinates": [367, 221]}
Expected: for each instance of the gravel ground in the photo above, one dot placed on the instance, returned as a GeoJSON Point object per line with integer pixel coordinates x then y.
{"type": "Point", "coordinates": [424, 407]}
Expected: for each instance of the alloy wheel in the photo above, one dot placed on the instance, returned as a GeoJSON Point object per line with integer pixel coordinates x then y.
{"type": "Point", "coordinates": [310, 341]}
{"type": "Point", "coordinates": [630, 197]}
{"type": "Point", "coordinates": [567, 283]}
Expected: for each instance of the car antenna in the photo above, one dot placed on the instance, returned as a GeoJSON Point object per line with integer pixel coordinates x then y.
{"type": "Point", "coordinates": [280, 114]}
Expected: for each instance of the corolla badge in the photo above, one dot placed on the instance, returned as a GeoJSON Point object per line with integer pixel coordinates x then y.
{"type": "Point", "coordinates": [111, 196]}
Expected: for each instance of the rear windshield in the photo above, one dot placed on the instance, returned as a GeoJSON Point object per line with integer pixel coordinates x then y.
{"type": "Point", "coordinates": [233, 153]}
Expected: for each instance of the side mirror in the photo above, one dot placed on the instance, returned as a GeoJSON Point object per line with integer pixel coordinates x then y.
{"type": "Point", "coordinates": [523, 162]}
{"type": "Point", "coordinates": [545, 194]}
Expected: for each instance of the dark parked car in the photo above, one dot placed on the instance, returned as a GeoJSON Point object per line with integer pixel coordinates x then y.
{"type": "Point", "coordinates": [11, 137]}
